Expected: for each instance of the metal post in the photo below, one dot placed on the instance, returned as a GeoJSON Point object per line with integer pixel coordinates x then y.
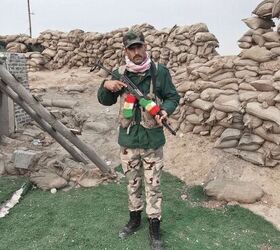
{"type": "Point", "coordinates": [29, 18]}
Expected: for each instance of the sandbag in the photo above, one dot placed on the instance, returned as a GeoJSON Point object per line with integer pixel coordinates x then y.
{"type": "Point", "coordinates": [272, 66]}
{"type": "Point", "coordinates": [260, 131]}
{"type": "Point", "coordinates": [270, 113]}
{"type": "Point", "coordinates": [46, 180]}
{"type": "Point", "coordinates": [210, 94]}
{"type": "Point", "coordinates": [186, 127]}
{"type": "Point", "coordinates": [201, 129]}
{"type": "Point", "coordinates": [201, 104]}
{"type": "Point", "coordinates": [184, 87]}
{"type": "Point", "coordinates": [276, 9]}
{"type": "Point", "coordinates": [271, 127]}
{"type": "Point", "coordinates": [276, 76]}
{"type": "Point", "coordinates": [244, 45]}
{"type": "Point", "coordinates": [227, 103]}
{"type": "Point", "coordinates": [267, 97]}
{"type": "Point", "coordinates": [77, 88]}
{"type": "Point", "coordinates": [254, 157]}
{"type": "Point", "coordinates": [245, 62]}
{"type": "Point", "coordinates": [271, 45]}
{"type": "Point", "coordinates": [258, 39]}
{"type": "Point", "coordinates": [191, 96]}
{"type": "Point", "coordinates": [277, 98]}
{"type": "Point", "coordinates": [204, 37]}
{"type": "Point", "coordinates": [246, 96]}
{"type": "Point", "coordinates": [216, 131]}
{"type": "Point", "coordinates": [270, 148]}
{"type": "Point", "coordinates": [246, 39]}
{"type": "Point", "coordinates": [225, 144]}
{"type": "Point", "coordinates": [257, 22]}
{"type": "Point", "coordinates": [264, 9]}
{"type": "Point", "coordinates": [49, 52]}
{"type": "Point", "coordinates": [224, 82]}
{"type": "Point", "coordinates": [251, 121]}
{"type": "Point", "coordinates": [231, 86]}
{"type": "Point", "coordinates": [199, 27]}
{"type": "Point", "coordinates": [245, 74]}
{"type": "Point", "coordinates": [222, 76]}
{"type": "Point", "coordinates": [194, 119]}
{"type": "Point", "coordinates": [215, 115]}
{"type": "Point", "coordinates": [227, 123]}
{"type": "Point", "coordinates": [272, 36]}
{"type": "Point", "coordinates": [250, 142]}
{"type": "Point", "coordinates": [276, 50]}
{"type": "Point", "coordinates": [258, 54]}
{"type": "Point", "coordinates": [59, 103]}
{"type": "Point", "coordinates": [246, 86]}
{"type": "Point", "coordinates": [230, 134]}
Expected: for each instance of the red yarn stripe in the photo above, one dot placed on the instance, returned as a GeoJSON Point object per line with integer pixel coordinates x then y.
{"type": "Point", "coordinates": [130, 98]}
{"type": "Point", "coordinates": [154, 110]}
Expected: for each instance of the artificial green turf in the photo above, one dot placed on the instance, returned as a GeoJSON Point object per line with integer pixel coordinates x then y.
{"type": "Point", "coordinates": [89, 218]}
{"type": "Point", "coordinates": [8, 185]}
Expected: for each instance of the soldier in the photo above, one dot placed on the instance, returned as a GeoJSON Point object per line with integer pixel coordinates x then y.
{"type": "Point", "coordinates": [141, 137]}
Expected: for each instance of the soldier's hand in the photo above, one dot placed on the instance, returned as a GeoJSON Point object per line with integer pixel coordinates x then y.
{"type": "Point", "coordinates": [114, 85]}
{"type": "Point", "coordinates": [160, 118]}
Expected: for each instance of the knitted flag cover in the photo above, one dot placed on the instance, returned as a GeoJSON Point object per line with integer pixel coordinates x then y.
{"type": "Point", "coordinates": [128, 106]}
{"type": "Point", "coordinates": [150, 106]}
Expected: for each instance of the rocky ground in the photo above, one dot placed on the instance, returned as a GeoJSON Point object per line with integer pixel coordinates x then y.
{"type": "Point", "coordinates": [190, 157]}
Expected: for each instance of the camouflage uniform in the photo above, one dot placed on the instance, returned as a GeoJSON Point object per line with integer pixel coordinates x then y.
{"type": "Point", "coordinates": [140, 137]}
{"type": "Point", "coordinates": [142, 140]}
{"type": "Point", "coordinates": [144, 164]}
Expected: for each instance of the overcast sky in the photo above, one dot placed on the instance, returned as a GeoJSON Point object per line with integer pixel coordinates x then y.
{"type": "Point", "coordinates": [223, 17]}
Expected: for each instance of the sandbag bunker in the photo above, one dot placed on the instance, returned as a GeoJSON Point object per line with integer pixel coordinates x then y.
{"type": "Point", "coordinates": [233, 99]}
{"type": "Point", "coordinates": [175, 46]}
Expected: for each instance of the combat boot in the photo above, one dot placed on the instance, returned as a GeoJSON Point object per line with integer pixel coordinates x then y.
{"type": "Point", "coordinates": [132, 226]}
{"type": "Point", "coordinates": [155, 240]}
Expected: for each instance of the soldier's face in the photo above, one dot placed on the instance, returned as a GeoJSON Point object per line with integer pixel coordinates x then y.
{"type": "Point", "coordinates": [136, 53]}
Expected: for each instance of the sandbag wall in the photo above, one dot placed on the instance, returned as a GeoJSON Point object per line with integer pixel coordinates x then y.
{"type": "Point", "coordinates": [236, 99]}
{"type": "Point", "coordinates": [261, 25]}
{"type": "Point", "coordinates": [176, 46]}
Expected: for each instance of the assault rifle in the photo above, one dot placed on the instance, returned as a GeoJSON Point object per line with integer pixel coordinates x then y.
{"type": "Point", "coordinates": [133, 89]}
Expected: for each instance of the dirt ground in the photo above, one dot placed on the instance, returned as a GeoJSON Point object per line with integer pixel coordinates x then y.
{"type": "Point", "coordinates": [190, 157]}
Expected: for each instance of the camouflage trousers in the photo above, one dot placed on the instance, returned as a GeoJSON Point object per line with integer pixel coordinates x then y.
{"type": "Point", "coordinates": [139, 165]}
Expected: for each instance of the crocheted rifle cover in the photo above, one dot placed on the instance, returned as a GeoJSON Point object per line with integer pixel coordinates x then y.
{"type": "Point", "coordinates": [150, 106]}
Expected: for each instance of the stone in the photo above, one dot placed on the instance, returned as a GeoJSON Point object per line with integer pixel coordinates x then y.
{"type": "Point", "coordinates": [234, 190]}
{"type": "Point", "coordinates": [24, 159]}
{"type": "Point", "coordinates": [99, 127]}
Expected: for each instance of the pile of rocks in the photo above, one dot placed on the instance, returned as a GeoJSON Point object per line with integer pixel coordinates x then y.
{"type": "Point", "coordinates": [175, 47]}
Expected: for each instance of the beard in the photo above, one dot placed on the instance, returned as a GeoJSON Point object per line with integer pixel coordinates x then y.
{"type": "Point", "coordinates": [138, 60]}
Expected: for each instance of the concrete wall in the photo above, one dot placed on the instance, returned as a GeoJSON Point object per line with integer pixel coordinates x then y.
{"type": "Point", "coordinates": [11, 114]}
